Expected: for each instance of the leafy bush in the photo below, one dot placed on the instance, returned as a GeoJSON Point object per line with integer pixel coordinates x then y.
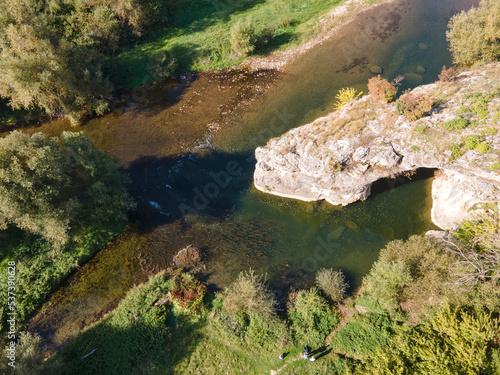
{"type": "Point", "coordinates": [456, 151]}
{"type": "Point", "coordinates": [264, 37]}
{"type": "Point", "coordinates": [476, 142]}
{"type": "Point", "coordinates": [363, 334]}
{"type": "Point", "coordinates": [269, 333]}
{"type": "Point", "coordinates": [243, 37]}
{"type": "Point", "coordinates": [474, 36]}
{"type": "Point", "coordinates": [187, 293]}
{"type": "Point", "coordinates": [248, 310]}
{"type": "Point", "coordinates": [249, 294]}
{"type": "Point", "coordinates": [382, 89]}
{"type": "Point", "coordinates": [332, 283]}
{"type": "Point", "coordinates": [453, 342]}
{"type": "Point", "coordinates": [58, 187]}
{"type": "Point", "coordinates": [311, 318]}
{"type": "Point", "coordinates": [458, 123]}
{"type": "Point", "coordinates": [448, 75]}
{"type": "Point", "coordinates": [162, 65]}
{"type": "Point", "coordinates": [386, 281]}
{"type": "Point", "coordinates": [345, 95]}
{"type": "Point", "coordinates": [414, 106]}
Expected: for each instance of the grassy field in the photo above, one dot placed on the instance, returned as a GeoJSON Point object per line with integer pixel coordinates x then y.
{"type": "Point", "coordinates": [144, 337]}
{"type": "Point", "coordinates": [200, 38]}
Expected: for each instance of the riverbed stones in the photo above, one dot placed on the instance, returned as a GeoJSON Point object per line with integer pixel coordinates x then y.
{"type": "Point", "coordinates": [413, 78]}
{"type": "Point", "coordinates": [375, 69]}
{"type": "Point", "coordinates": [420, 69]}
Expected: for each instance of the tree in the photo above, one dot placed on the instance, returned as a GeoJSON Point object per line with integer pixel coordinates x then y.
{"type": "Point", "coordinates": [474, 36]}
{"type": "Point", "coordinates": [452, 342]}
{"type": "Point", "coordinates": [40, 69]}
{"type": "Point", "coordinates": [386, 281]}
{"type": "Point", "coordinates": [58, 188]}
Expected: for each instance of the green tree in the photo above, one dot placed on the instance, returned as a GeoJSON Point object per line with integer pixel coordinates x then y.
{"type": "Point", "coordinates": [474, 36]}
{"type": "Point", "coordinates": [40, 69]}
{"type": "Point", "coordinates": [452, 342]}
{"type": "Point", "coordinates": [57, 188]}
{"type": "Point", "coordinates": [385, 282]}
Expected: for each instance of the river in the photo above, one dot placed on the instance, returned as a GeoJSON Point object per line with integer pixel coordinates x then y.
{"type": "Point", "coordinates": [188, 146]}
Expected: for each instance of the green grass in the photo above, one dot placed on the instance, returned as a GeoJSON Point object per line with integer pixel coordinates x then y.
{"type": "Point", "coordinates": [363, 334]}
{"type": "Point", "coordinates": [200, 38]}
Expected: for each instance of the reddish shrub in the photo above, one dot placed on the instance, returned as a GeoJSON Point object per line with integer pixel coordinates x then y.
{"type": "Point", "coordinates": [448, 75]}
{"type": "Point", "coordinates": [382, 89]}
{"type": "Point", "coordinates": [414, 106]}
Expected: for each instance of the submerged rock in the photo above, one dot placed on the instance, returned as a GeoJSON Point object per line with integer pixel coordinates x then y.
{"type": "Point", "coordinates": [337, 158]}
{"type": "Point", "coordinates": [375, 69]}
{"type": "Point", "coordinates": [414, 78]}
{"type": "Point", "coordinates": [420, 69]}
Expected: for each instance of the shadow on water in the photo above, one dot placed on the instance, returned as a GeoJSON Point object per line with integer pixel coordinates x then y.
{"type": "Point", "coordinates": [169, 189]}
{"type": "Point", "coordinates": [189, 152]}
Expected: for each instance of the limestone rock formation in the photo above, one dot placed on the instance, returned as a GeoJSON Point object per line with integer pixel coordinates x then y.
{"type": "Point", "coordinates": [338, 157]}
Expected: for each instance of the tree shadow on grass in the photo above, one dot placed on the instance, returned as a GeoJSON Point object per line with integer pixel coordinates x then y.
{"type": "Point", "coordinates": [133, 341]}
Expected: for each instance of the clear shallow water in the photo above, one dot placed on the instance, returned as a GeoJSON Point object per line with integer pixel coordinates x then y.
{"type": "Point", "coordinates": [203, 182]}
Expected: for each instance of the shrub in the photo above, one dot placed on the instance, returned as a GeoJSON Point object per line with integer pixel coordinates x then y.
{"type": "Point", "coordinates": [266, 332]}
{"type": "Point", "coordinates": [453, 342]}
{"type": "Point", "coordinates": [382, 89]}
{"type": "Point", "coordinates": [476, 142]}
{"type": "Point", "coordinates": [456, 151]}
{"type": "Point", "coordinates": [458, 123]}
{"type": "Point", "coordinates": [448, 75]}
{"type": "Point", "coordinates": [345, 95]}
{"type": "Point", "coordinates": [311, 318]}
{"type": "Point", "coordinates": [248, 295]}
{"type": "Point", "coordinates": [162, 65]}
{"type": "Point", "coordinates": [187, 293]}
{"type": "Point", "coordinates": [429, 265]}
{"type": "Point", "coordinates": [385, 282]}
{"type": "Point", "coordinates": [264, 37]}
{"type": "Point", "coordinates": [414, 106]}
{"type": "Point", "coordinates": [332, 283]}
{"type": "Point", "coordinates": [474, 35]}
{"type": "Point", "coordinates": [363, 334]}
{"type": "Point", "coordinates": [242, 37]}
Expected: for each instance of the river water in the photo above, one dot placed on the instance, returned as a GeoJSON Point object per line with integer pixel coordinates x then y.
{"type": "Point", "coordinates": [188, 146]}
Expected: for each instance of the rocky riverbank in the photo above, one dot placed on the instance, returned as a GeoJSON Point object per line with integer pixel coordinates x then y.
{"type": "Point", "coordinates": [337, 158]}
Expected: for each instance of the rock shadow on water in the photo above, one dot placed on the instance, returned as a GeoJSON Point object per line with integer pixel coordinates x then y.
{"type": "Point", "coordinates": [191, 187]}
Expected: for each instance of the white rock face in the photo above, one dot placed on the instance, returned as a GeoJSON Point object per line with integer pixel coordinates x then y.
{"type": "Point", "coordinates": [338, 157]}
{"type": "Point", "coordinates": [454, 194]}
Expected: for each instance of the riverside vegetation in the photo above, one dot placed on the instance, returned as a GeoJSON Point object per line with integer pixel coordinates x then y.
{"type": "Point", "coordinates": [425, 307]}
{"type": "Point", "coordinates": [67, 57]}
{"type": "Point", "coordinates": [61, 201]}
{"type": "Point", "coordinates": [428, 305]}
